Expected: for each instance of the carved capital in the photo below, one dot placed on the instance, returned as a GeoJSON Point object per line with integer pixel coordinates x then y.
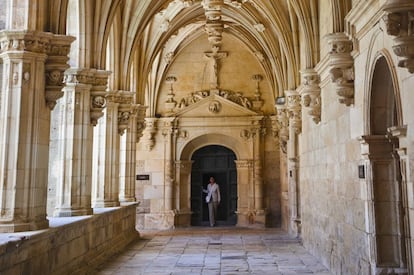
{"type": "Point", "coordinates": [311, 94]}
{"type": "Point", "coordinates": [56, 64]}
{"type": "Point", "coordinates": [98, 95]}
{"type": "Point", "coordinates": [294, 110]}
{"type": "Point", "coordinates": [399, 21]}
{"type": "Point", "coordinates": [30, 41]}
{"type": "Point", "coordinates": [342, 66]}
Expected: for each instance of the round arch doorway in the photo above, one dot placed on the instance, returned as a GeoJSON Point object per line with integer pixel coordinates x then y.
{"type": "Point", "coordinates": [218, 162]}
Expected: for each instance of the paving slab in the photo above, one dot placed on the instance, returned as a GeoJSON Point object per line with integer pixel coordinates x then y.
{"type": "Point", "coordinates": [222, 251]}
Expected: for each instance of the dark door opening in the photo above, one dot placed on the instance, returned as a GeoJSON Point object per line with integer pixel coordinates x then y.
{"type": "Point", "coordinates": [218, 162]}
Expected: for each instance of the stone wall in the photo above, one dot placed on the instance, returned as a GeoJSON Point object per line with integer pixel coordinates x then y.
{"type": "Point", "coordinates": [73, 248]}
{"type": "Point", "coordinates": [338, 224]}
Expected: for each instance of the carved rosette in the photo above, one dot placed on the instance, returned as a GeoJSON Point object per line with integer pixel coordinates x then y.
{"type": "Point", "coordinates": [399, 21]}
{"type": "Point", "coordinates": [341, 66]}
{"type": "Point", "coordinates": [149, 132]}
{"type": "Point", "coordinates": [125, 109]}
{"type": "Point", "coordinates": [294, 110]}
{"type": "Point", "coordinates": [98, 95]}
{"type": "Point", "coordinates": [311, 94]}
{"type": "Point", "coordinates": [56, 64]}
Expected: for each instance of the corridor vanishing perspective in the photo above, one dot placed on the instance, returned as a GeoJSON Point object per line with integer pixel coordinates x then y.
{"type": "Point", "coordinates": [114, 115]}
{"type": "Point", "coordinates": [222, 250]}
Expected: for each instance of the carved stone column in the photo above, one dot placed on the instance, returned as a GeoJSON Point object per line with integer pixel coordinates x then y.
{"type": "Point", "coordinates": [71, 146]}
{"type": "Point", "coordinates": [341, 65]}
{"type": "Point", "coordinates": [311, 94]}
{"type": "Point", "coordinates": [140, 120]}
{"type": "Point", "coordinates": [116, 119]}
{"type": "Point", "coordinates": [127, 175]}
{"type": "Point", "coordinates": [24, 127]}
{"type": "Point", "coordinates": [399, 22]}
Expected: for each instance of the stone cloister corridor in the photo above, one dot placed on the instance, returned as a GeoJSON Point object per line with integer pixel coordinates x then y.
{"type": "Point", "coordinates": [114, 115]}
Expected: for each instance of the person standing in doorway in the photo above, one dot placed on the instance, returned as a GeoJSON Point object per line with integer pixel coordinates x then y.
{"type": "Point", "coordinates": [213, 199]}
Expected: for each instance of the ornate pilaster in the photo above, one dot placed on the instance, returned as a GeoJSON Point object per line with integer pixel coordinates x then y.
{"type": "Point", "coordinates": [399, 21]}
{"type": "Point", "coordinates": [128, 151]}
{"type": "Point", "coordinates": [311, 94]}
{"type": "Point", "coordinates": [24, 142]}
{"type": "Point", "coordinates": [71, 146]}
{"type": "Point", "coordinates": [281, 123]}
{"type": "Point", "coordinates": [341, 66]}
{"type": "Point", "coordinates": [106, 146]}
{"type": "Point", "coordinates": [294, 110]}
{"type": "Point", "coordinates": [168, 130]}
{"type": "Point", "coordinates": [245, 213]}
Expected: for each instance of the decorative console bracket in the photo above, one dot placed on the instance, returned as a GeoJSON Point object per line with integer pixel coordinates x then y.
{"type": "Point", "coordinates": [311, 93]}
{"type": "Point", "coordinates": [341, 66]}
{"type": "Point", "coordinates": [294, 110]}
{"type": "Point", "coordinates": [399, 21]}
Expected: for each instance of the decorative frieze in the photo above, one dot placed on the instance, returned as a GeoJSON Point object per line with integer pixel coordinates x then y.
{"type": "Point", "coordinates": [294, 110]}
{"type": "Point", "coordinates": [399, 21]}
{"type": "Point", "coordinates": [311, 94]}
{"type": "Point", "coordinates": [341, 66]}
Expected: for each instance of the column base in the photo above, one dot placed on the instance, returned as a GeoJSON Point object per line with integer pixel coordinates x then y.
{"type": "Point", "coordinates": [127, 200]}
{"type": "Point", "coordinates": [183, 218]}
{"type": "Point", "coordinates": [252, 218]}
{"type": "Point", "coordinates": [160, 221]}
{"type": "Point", "coordinates": [295, 227]}
{"type": "Point", "coordinates": [104, 204]}
{"type": "Point", "coordinates": [68, 212]}
{"type": "Point", "coordinates": [13, 227]}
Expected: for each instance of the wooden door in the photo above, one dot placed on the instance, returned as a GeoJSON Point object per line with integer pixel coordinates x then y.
{"type": "Point", "coordinates": [218, 162]}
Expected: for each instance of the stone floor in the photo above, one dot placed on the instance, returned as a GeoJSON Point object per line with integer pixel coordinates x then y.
{"type": "Point", "coordinates": [218, 250]}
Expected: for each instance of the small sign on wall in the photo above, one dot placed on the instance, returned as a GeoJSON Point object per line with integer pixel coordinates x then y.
{"type": "Point", "coordinates": [361, 171]}
{"type": "Point", "coordinates": [143, 177]}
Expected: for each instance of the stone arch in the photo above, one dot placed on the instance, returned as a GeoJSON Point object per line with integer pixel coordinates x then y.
{"type": "Point", "coordinates": [213, 139]}
{"type": "Point", "coordinates": [386, 193]}
{"type": "Point", "coordinates": [248, 207]}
